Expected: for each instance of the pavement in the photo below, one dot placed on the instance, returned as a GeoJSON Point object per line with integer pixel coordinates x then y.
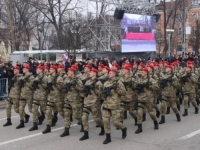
{"type": "Point", "coordinates": [172, 135]}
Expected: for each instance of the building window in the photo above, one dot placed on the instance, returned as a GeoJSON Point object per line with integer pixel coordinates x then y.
{"type": "Point", "coordinates": [196, 2]}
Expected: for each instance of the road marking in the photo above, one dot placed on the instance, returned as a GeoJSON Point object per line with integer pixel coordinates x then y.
{"type": "Point", "coordinates": [33, 135]}
{"type": "Point", "coordinates": [189, 135]}
{"type": "Point", "coordinates": [11, 117]}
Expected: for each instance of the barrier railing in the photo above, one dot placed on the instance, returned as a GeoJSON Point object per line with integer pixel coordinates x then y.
{"type": "Point", "coordinates": [3, 88]}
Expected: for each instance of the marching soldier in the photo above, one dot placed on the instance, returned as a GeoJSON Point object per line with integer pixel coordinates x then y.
{"type": "Point", "coordinates": [113, 89]}
{"type": "Point", "coordinates": [92, 91]}
{"type": "Point", "coordinates": [168, 83]}
{"type": "Point", "coordinates": [189, 81]}
{"type": "Point", "coordinates": [145, 98]}
{"type": "Point", "coordinates": [54, 99]}
{"type": "Point", "coordinates": [39, 97]}
{"type": "Point", "coordinates": [14, 95]}
{"type": "Point", "coordinates": [26, 95]}
{"type": "Point", "coordinates": [72, 102]}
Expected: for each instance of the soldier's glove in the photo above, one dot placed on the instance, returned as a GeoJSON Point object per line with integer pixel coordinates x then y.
{"type": "Point", "coordinates": [35, 85]}
{"type": "Point", "coordinates": [184, 79]}
{"type": "Point", "coordinates": [49, 87]}
{"type": "Point", "coordinates": [140, 88]}
{"type": "Point", "coordinates": [68, 86]}
{"type": "Point", "coordinates": [198, 85]}
{"type": "Point", "coordinates": [163, 82]}
{"type": "Point", "coordinates": [87, 90]}
{"type": "Point", "coordinates": [107, 91]}
{"type": "Point", "coordinates": [21, 83]}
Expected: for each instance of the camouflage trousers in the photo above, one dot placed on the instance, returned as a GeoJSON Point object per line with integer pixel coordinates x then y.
{"type": "Point", "coordinates": [22, 105]}
{"type": "Point", "coordinates": [149, 106]}
{"type": "Point", "coordinates": [189, 97]}
{"type": "Point", "coordinates": [72, 107]}
{"type": "Point", "coordinates": [15, 103]}
{"type": "Point", "coordinates": [127, 106]}
{"type": "Point", "coordinates": [115, 114]}
{"type": "Point", "coordinates": [52, 106]}
{"type": "Point", "coordinates": [168, 102]}
{"type": "Point", "coordinates": [35, 106]}
{"type": "Point", "coordinates": [96, 114]}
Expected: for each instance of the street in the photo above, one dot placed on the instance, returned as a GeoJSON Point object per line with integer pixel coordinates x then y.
{"type": "Point", "coordinates": [172, 135]}
{"type": "Point", "coordinates": [138, 45]}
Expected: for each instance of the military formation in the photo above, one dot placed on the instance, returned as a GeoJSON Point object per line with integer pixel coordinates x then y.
{"type": "Point", "coordinates": [107, 93]}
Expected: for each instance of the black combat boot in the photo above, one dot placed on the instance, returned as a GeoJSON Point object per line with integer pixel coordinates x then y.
{"type": "Point", "coordinates": [82, 130]}
{"type": "Point", "coordinates": [144, 117]}
{"type": "Point", "coordinates": [196, 110]}
{"type": "Point", "coordinates": [139, 129]}
{"type": "Point", "coordinates": [97, 126]}
{"type": "Point", "coordinates": [35, 127]}
{"type": "Point", "coordinates": [85, 136]}
{"type": "Point", "coordinates": [135, 121]}
{"type": "Point", "coordinates": [47, 130]}
{"type": "Point", "coordinates": [53, 122]}
{"type": "Point", "coordinates": [178, 117]}
{"type": "Point", "coordinates": [43, 115]}
{"type": "Point", "coordinates": [108, 139]}
{"type": "Point", "coordinates": [185, 113]}
{"type": "Point", "coordinates": [26, 118]}
{"type": "Point", "coordinates": [8, 123]}
{"type": "Point", "coordinates": [41, 119]}
{"type": "Point", "coordinates": [21, 125]}
{"type": "Point", "coordinates": [156, 126]}
{"type": "Point", "coordinates": [178, 107]}
{"type": "Point", "coordinates": [78, 123]}
{"type": "Point", "coordinates": [65, 133]}
{"type": "Point", "coordinates": [125, 114]}
{"type": "Point", "coordinates": [162, 120]}
{"type": "Point", "coordinates": [71, 117]}
{"type": "Point", "coordinates": [124, 133]}
{"type": "Point", "coordinates": [102, 131]}
{"type": "Point", "coordinates": [157, 114]}
{"type": "Point", "coordinates": [168, 110]}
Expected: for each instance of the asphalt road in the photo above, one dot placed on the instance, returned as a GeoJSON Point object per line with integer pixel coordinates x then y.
{"type": "Point", "coordinates": [138, 45]}
{"type": "Point", "coordinates": [172, 135]}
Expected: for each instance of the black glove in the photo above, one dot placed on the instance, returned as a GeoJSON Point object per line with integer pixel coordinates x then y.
{"type": "Point", "coordinates": [87, 90]}
{"type": "Point", "coordinates": [35, 85]}
{"type": "Point", "coordinates": [21, 83]}
{"type": "Point", "coordinates": [49, 87]}
{"type": "Point", "coordinates": [140, 88]}
{"type": "Point", "coordinates": [107, 91]}
{"type": "Point", "coordinates": [163, 82]}
{"type": "Point", "coordinates": [68, 86]}
{"type": "Point", "coordinates": [184, 79]}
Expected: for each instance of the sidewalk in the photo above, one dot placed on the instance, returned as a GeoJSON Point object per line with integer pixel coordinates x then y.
{"type": "Point", "coordinates": [3, 103]}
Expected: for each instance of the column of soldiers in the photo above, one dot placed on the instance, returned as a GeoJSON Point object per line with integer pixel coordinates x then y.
{"type": "Point", "coordinates": [106, 93]}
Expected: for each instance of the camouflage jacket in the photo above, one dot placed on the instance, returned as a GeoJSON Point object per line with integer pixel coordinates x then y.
{"type": "Point", "coordinates": [27, 90]}
{"type": "Point", "coordinates": [74, 87]}
{"type": "Point", "coordinates": [40, 92]}
{"type": "Point", "coordinates": [117, 90]}
{"type": "Point", "coordinates": [93, 98]}
{"type": "Point", "coordinates": [190, 84]}
{"type": "Point", "coordinates": [15, 88]}
{"type": "Point", "coordinates": [147, 85]}
{"type": "Point", "coordinates": [84, 77]}
{"type": "Point", "coordinates": [169, 84]}
{"type": "Point", "coordinates": [103, 78]}
{"type": "Point", "coordinates": [129, 93]}
{"type": "Point", "coordinates": [57, 86]}
{"type": "Point", "coordinates": [78, 74]}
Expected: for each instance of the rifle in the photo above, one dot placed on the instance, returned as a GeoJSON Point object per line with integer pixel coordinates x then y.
{"type": "Point", "coordinates": [36, 82]}
{"type": "Point", "coordinates": [140, 87]}
{"type": "Point", "coordinates": [184, 79]}
{"type": "Point", "coordinates": [69, 85]}
{"type": "Point", "coordinates": [126, 84]}
{"type": "Point", "coordinates": [49, 86]}
{"type": "Point", "coordinates": [22, 81]}
{"type": "Point", "coordinates": [87, 88]}
{"type": "Point", "coordinates": [163, 82]}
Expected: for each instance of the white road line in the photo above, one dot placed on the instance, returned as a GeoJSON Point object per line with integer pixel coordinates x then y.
{"type": "Point", "coordinates": [189, 135]}
{"type": "Point", "coordinates": [11, 117]}
{"type": "Point", "coordinates": [33, 135]}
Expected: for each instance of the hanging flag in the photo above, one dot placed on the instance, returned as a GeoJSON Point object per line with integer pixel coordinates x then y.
{"type": "Point", "coordinates": [64, 57]}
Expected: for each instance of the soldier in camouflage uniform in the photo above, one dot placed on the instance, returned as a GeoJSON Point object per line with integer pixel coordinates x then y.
{"type": "Point", "coordinates": [129, 99]}
{"type": "Point", "coordinates": [145, 98]}
{"type": "Point", "coordinates": [39, 97]}
{"type": "Point", "coordinates": [26, 95]}
{"type": "Point", "coordinates": [113, 89]}
{"type": "Point", "coordinates": [189, 81]}
{"type": "Point", "coordinates": [168, 84]}
{"type": "Point", "coordinates": [72, 102]}
{"type": "Point", "coordinates": [13, 98]}
{"type": "Point", "coordinates": [92, 91]}
{"type": "Point", "coordinates": [54, 99]}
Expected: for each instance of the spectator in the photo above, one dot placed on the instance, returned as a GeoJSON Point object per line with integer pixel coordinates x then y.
{"type": "Point", "coordinates": [2, 82]}
{"type": "Point", "coordinates": [67, 64]}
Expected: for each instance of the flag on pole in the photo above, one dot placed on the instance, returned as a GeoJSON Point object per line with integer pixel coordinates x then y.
{"type": "Point", "coordinates": [64, 57]}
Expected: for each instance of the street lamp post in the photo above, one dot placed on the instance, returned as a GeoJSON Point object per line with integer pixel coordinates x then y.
{"type": "Point", "coordinates": [169, 31]}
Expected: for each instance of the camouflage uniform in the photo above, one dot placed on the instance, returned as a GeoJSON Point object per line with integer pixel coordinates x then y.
{"type": "Point", "coordinates": [39, 97]}
{"type": "Point", "coordinates": [189, 81]}
{"type": "Point", "coordinates": [54, 98]}
{"type": "Point", "coordinates": [71, 100]}
{"type": "Point", "coordinates": [111, 104]}
{"type": "Point", "coordinates": [13, 98]}
{"type": "Point", "coordinates": [26, 94]}
{"type": "Point", "coordinates": [93, 89]}
{"type": "Point", "coordinates": [169, 84]}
